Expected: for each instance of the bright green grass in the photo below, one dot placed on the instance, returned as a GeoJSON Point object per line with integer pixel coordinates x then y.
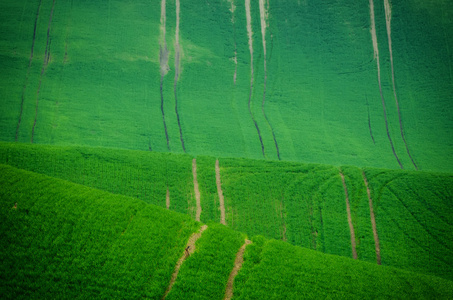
{"type": "Point", "coordinates": [101, 86]}
{"type": "Point", "coordinates": [69, 241]}
{"type": "Point", "coordinates": [277, 270]}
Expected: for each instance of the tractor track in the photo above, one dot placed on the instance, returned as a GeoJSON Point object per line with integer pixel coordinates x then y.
{"type": "Point", "coordinates": [177, 70]}
{"type": "Point", "coordinates": [191, 249]}
{"type": "Point", "coordinates": [373, 221]}
{"type": "Point", "coordinates": [220, 193]}
{"type": "Point", "coordinates": [351, 226]}
{"type": "Point", "coordinates": [376, 56]}
{"type": "Point", "coordinates": [249, 31]}
{"type": "Point", "coordinates": [388, 18]}
{"type": "Point", "coordinates": [235, 59]}
{"type": "Point", "coordinates": [263, 17]}
{"type": "Point", "coordinates": [43, 70]}
{"type": "Point", "coordinates": [28, 71]}
{"type": "Point", "coordinates": [196, 190]}
{"type": "Point", "coordinates": [237, 267]}
{"type": "Point", "coordinates": [163, 62]}
{"type": "Point", "coordinates": [369, 121]}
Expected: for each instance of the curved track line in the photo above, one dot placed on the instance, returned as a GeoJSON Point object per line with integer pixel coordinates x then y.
{"type": "Point", "coordinates": [376, 56]}
{"type": "Point", "coordinates": [263, 16]}
{"type": "Point", "coordinates": [373, 221]}
{"type": "Point", "coordinates": [28, 71]}
{"type": "Point", "coordinates": [351, 227]}
{"type": "Point", "coordinates": [237, 267]}
{"type": "Point", "coordinates": [196, 189]}
{"type": "Point", "coordinates": [43, 70]}
{"type": "Point", "coordinates": [388, 18]}
{"type": "Point", "coordinates": [163, 61]}
{"type": "Point", "coordinates": [249, 32]}
{"type": "Point", "coordinates": [220, 192]}
{"type": "Point", "coordinates": [191, 249]}
{"type": "Point", "coordinates": [177, 63]}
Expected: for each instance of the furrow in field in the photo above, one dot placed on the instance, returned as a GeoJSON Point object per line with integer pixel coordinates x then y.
{"type": "Point", "coordinates": [263, 17]}
{"type": "Point", "coordinates": [28, 71]}
{"type": "Point", "coordinates": [163, 59]}
{"type": "Point", "coordinates": [177, 65]}
{"type": "Point", "coordinates": [167, 199]}
{"type": "Point", "coordinates": [196, 190]}
{"type": "Point", "coordinates": [237, 267]}
{"type": "Point", "coordinates": [376, 56]}
{"type": "Point", "coordinates": [190, 248]}
{"type": "Point", "coordinates": [250, 35]}
{"type": "Point", "coordinates": [220, 192]}
{"type": "Point", "coordinates": [351, 226]}
{"type": "Point", "coordinates": [43, 70]}
{"type": "Point", "coordinates": [388, 19]}
{"type": "Point", "coordinates": [369, 121]}
{"type": "Point", "coordinates": [373, 222]}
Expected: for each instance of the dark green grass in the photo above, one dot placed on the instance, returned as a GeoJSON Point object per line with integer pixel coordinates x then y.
{"type": "Point", "coordinates": [68, 241]}
{"type": "Point", "coordinates": [277, 270]}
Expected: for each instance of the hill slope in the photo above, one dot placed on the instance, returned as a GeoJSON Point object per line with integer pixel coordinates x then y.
{"type": "Point", "coordinates": [60, 241]}
{"type": "Point", "coordinates": [367, 83]}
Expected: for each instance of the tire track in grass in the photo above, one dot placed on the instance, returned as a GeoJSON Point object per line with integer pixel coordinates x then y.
{"type": "Point", "coordinates": [163, 60]}
{"type": "Point", "coordinates": [249, 31]}
{"type": "Point", "coordinates": [373, 221]}
{"type": "Point", "coordinates": [237, 267]}
{"type": "Point", "coordinates": [351, 226]}
{"type": "Point", "coordinates": [177, 62]}
{"type": "Point", "coordinates": [190, 246]}
{"type": "Point", "coordinates": [369, 121]}
{"type": "Point", "coordinates": [43, 70]}
{"type": "Point", "coordinates": [28, 71]}
{"type": "Point", "coordinates": [235, 59]}
{"type": "Point", "coordinates": [264, 17]}
{"type": "Point", "coordinates": [167, 199]}
{"type": "Point", "coordinates": [196, 190]}
{"type": "Point", "coordinates": [388, 18]}
{"type": "Point", "coordinates": [220, 192]}
{"type": "Point", "coordinates": [376, 56]}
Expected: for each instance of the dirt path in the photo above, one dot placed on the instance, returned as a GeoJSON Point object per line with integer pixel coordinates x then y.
{"type": "Point", "coordinates": [196, 189]}
{"type": "Point", "coordinates": [250, 35]}
{"type": "Point", "coordinates": [177, 71]}
{"type": "Point", "coordinates": [219, 191]}
{"type": "Point", "coordinates": [373, 222]}
{"type": "Point", "coordinates": [167, 199]}
{"type": "Point", "coordinates": [28, 71]}
{"type": "Point", "coordinates": [351, 227]}
{"type": "Point", "coordinates": [376, 56]}
{"type": "Point", "coordinates": [43, 70]}
{"type": "Point", "coordinates": [237, 267]}
{"type": "Point", "coordinates": [191, 244]}
{"type": "Point", "coordinates": [388, 19]}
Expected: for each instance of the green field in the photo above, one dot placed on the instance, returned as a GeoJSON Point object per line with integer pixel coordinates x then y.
{"type": "Point", "coordinates": [320, 130]}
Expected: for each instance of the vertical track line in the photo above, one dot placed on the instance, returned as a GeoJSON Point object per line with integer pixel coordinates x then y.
{"type": "Point", "coordinates": [220, 192]}
{"type": "Point", "coordinates": [250, 35]}
{"type": "Point", "coordinates": [376, 56]}
{"type": "Point", "coordinates": [196, 190]}
{"type": "Point", "coordinates": [373, 221]}
{"type": "Point", "coordinates": [177, 70]}
{"type": "Point", "coordinates": [43, 70]}
{"type": "Point", "coordinates": [388, 18]}
{"type": "Point", "coordinates": [235, 59]}
{"type": "Point", "coordinates": [163, 60]}
{"type": "Point", "coordinates": [348, 210]}
{"type": "Point", "coordinates": [263, 16]}
{"type": "Point", "coordinates": [237, 267]}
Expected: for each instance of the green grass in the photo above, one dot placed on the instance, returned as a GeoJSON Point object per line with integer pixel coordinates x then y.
{"type": "Point", "coordinates": [68, 241]}
{"type": "Point", "coordinates": [101, 86]}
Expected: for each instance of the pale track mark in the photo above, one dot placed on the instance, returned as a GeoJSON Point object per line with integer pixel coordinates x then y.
{"type": "Point", "coordinates": [163, 61]}
{"type": "Point", "coordinates": [250, 36]}
{"type": "Point", "coordinates": [373, 222]}
{"type": "Point", "coordinates": [282, 217]}
{"type": "Point", "coordinates": [376, 56]}
{"type": "Point", "coordinates": [351, 226]}
{"type": "Point", "coordinates": [167, 199]}
{"type": "Point", "coordinates": [28, 71]}
{"type": "Point", "coordinates": [177, 72]}
{"type": "Point", "coordinates": [220, 192]}
{"type": "Point", "coordinates": [196, 190]}
{"type": "Point", "coordinates": [388, 19]}
{"type": "Point", "coordinates": [264, 18]}
{"type": "Point", "coordinates": [237, 267]}
{"type": "Point", "coordinates": [191, 244]}
{"type": "Point", "coordinates": [235, 59]}
{"type": "Point", "coordinates": [43, 70]}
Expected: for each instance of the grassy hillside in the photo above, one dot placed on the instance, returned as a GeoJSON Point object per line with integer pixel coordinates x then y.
{"type": "Point", "coordinates": [303, 204]}
{"type": "Point", "coordinates": [363, 83]}
{"type": "Point", "coordinates": [61, 242]}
